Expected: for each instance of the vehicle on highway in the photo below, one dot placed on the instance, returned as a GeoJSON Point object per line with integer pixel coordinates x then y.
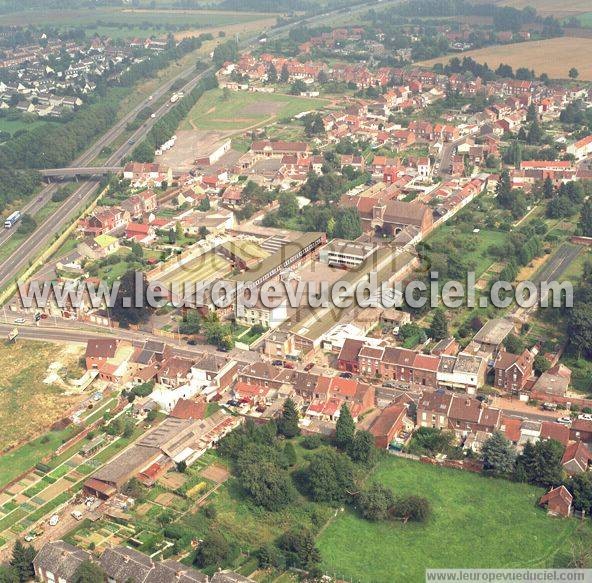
{"type": "Point", "coordinates": [11, 220]}
{"type": "Point", "coordinates": [175, 98]}
{"type": "Point", "coordinates": [131, 142]}
{"type": "Point", "coordinates": [150, 98]}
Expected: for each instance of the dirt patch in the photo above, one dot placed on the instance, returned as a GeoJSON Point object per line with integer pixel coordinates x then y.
{"type": "Point", "coordinates": [263, 107]}
{"type": "Point", "coordinates": [172, 481]}
{"type": "Point", "coordinates": [192, 144]}
{"type": "Point", "coordinates": [215, 473]}
{"type": "Point", "coordinates": [229, 29]}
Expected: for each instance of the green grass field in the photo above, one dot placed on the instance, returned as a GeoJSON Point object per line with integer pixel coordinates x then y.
{"type": "Point", "coordinates": [239, 110]}
{"type": "Point", "coordinates": [477, 522]}
{"type": "Point", "coordinates": [129, 22]}
{"type": "Point", "coordinates": [472, 246]}
{"type": "Point", "coordinates": [11, 126]}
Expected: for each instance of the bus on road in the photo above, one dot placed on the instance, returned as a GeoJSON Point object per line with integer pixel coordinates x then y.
{"type": "Point", "coordinates": [12, 219]}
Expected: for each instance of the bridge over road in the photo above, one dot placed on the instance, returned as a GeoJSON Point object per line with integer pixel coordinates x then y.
{"type": "Point", "coordinates": [80, 172]}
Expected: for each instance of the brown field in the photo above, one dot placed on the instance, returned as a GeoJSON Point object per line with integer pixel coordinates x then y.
{"type": "Point", "coordinates": [554, 57]}
{"type": "Point", "coordinates": [28, 406]}
{"type": "Point", "coordinates": [231, 30]}
{"type": "Point", "coordinates": [559, 8]}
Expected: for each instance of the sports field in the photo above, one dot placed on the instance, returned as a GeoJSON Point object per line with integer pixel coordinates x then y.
{"type": "Point", "coordinates": [477, 522]}
{"type": "Point", "coordinates": [554, 56]}
{"type": "Point", "coordinates": [196, 270]}
{"type": "Point", "coordinates": [240, 110]}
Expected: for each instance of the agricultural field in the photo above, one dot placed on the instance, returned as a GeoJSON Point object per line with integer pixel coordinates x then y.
{"type": "Point", "coordinates": [558, 8]}
{"type": "Point", "coordinates": [239, 111]}
{"type": "Point", "coordinates": [32, 378]}
{"type": "Point", "coordinates": [476, 522]}
{"type": "Point", "coordinates": [121, 23]}
{"type": "Point", "coordinates": [567, 52]}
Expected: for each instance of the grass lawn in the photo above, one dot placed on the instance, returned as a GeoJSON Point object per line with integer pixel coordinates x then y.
{"type": "Point", "coordinates": [12, 126]}
{"type": "Point", "coordinates": [240, 110]}
{"type": "Point", "coordinates": [476, 522]}
{"type": "Point", "coordinates": [17, 461]}
{"type": "Point", "coordinates": [473, 247]}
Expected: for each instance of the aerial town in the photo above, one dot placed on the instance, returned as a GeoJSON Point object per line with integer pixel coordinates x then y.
{"type": "Point", "coordinates": [191, 190]}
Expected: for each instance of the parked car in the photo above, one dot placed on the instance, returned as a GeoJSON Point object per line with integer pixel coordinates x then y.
{"type": "Point", "coordinates": [192, 342]}
{"type": "Point", "coordinates": [288, 364]}
{"type": "Point", "coordinates": [309, 366]}
{"type": "Point", "coordinates": [20, 321]}
{"type": "Point", "coordinates": [346, 375]}
{"type": "Point", "coordinates": [76, 514]}
{"type": "Point", "coordinates": [564, 420]}
{"type": "Point", "coordinates": [585, 417]}
{"type": "Point", "coordinates": [389, 384]}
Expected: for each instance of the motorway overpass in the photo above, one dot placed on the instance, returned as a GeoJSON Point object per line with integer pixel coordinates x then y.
{"type": "Point", "coordinates": [80, 172]}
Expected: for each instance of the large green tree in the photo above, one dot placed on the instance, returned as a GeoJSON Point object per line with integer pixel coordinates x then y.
{"type": "Point", "coordinates": [288, 422]}
{"type": "Point", "coordinates": [330, 477]}
{"type": "Point", "coordinates": [89, 572]}
{"type": "Point", "coordinates": [22, 561]}
{"type": "Point", "coordinates": [498, 455]}
{"type": "Point", "coordinates": [345, 428]}
{"type": "Point", "coordinates": [213, 551]}
{"type": "Point", "coordinates": [374, 502]}
{"type": "Point", "coordinates": [439, 325]}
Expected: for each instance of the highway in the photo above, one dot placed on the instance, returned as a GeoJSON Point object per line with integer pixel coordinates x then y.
{"type": "Point", "coordinates": [76, 202]}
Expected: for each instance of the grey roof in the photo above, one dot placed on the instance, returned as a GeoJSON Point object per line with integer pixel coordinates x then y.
{"type": "Point", "coordinates": [494, 332]}
{"type": "Point", "coordinates": [122, 563]}
{"type": "Point", "coordinates": [154, 346]}
{"type": "Point", "coordinates": [60, 558]}
{"type": "Point", "coordinates": [133, 459]}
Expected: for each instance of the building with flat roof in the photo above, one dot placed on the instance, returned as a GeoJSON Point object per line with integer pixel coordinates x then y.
{"type": "Point", "coordinates": [342, 253]}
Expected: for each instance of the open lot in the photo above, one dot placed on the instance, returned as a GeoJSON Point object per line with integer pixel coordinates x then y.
{"type": "Point", "coordinates": [477, 522]}
{"type": "Point", "coordinates": [554, 56]}
{"type": "Point", "coordinates": [23, 368]}
{"type": "Point", "coordinates": [239, 110]}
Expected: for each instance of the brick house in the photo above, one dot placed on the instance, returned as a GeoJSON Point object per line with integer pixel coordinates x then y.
{"type": "Point", "coordinates": [388, 425]}
{"type": "Point", "coordinates": [513, 370]}
{"type": "Point", "coordinates": [558, 501]}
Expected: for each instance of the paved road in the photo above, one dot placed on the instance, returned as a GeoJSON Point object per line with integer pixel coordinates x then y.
{"type": "Point", "coordinates": [74, 204]}
{"type": "Point", "coordinates": [68, 331]}
{"type": "Point", "coordinates": [77, 201]}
